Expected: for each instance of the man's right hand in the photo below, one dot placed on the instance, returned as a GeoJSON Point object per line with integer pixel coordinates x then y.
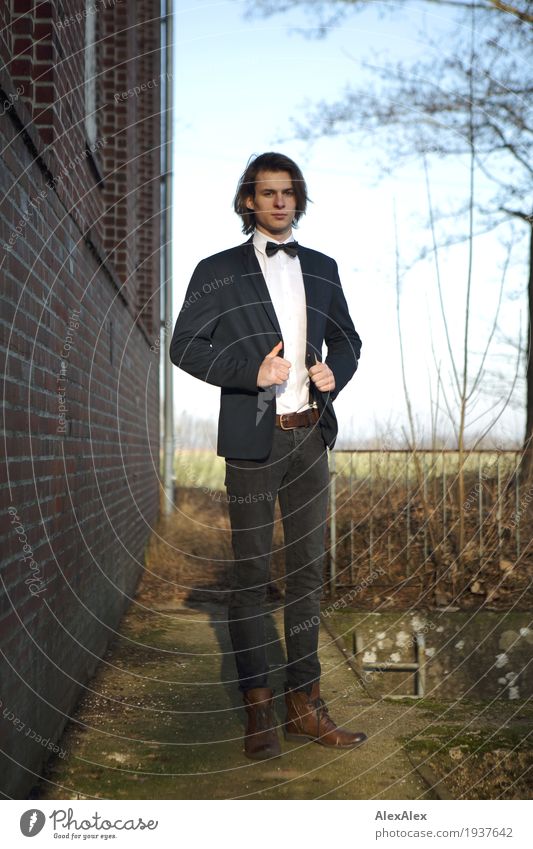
{"type": "Point", "coordinates": [273, 369]}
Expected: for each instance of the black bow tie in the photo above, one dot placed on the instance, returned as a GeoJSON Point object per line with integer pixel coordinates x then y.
{"type": "Point", "coordinates": [289, 247]}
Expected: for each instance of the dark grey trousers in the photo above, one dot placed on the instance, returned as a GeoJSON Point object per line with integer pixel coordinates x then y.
{"type": "Point", "coordinates": [297, 472]}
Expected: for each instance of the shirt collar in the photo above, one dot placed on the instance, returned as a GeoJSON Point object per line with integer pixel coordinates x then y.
{"type": "Point", "coordinates": [260, 240]}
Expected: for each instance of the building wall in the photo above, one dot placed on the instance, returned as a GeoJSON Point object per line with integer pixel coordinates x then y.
{"type": "Point", "coordinates": [79, 292]}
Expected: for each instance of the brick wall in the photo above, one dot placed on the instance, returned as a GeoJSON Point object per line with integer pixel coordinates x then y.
{"type": "Point", "coordinates": [79, 288]}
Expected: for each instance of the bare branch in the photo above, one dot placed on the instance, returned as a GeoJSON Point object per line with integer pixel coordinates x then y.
{"type": "Point", "coordinates": [330, 13]}
{"type": "Point", "coordinates": [437, 273]}
{"type": "Point", "coordinates": [494, 324]}
{"type": "Point", "coordinates": [505, 7]}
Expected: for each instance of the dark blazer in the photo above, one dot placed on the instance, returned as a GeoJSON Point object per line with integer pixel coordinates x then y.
{"type": "Point", "coordinates": [227, 325]}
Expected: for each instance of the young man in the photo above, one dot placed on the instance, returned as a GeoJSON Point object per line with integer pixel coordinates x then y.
{"type": "Point", "coordinates": [253, 322]}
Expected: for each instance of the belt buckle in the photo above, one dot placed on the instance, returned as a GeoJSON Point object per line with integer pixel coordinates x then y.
{"type": "Point", "coordinates": [282, 426]}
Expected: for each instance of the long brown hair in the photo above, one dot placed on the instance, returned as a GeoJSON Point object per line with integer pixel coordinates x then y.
{"type": "Point", "coordinates": [246, 187]}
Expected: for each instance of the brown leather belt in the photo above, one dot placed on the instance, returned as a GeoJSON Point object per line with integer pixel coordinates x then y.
{"type": "Point", "coordinates": [286, 421]}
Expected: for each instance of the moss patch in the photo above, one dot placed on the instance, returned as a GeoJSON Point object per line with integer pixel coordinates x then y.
{"type": "Point", "coordinates": [489, 762]}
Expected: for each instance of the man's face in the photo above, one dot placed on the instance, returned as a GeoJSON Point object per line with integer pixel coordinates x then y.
{"type": "Point", "coordinates": [274, 203]}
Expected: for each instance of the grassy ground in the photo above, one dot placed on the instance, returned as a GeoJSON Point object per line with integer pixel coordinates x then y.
{"type": "Point", "coordinates": [486, 756]}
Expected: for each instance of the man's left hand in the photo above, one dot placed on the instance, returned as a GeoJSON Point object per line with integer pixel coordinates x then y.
{"type": "Point", "coordinates": [322, 377]}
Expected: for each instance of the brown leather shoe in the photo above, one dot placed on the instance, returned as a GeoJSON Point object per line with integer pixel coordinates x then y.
{"type": "Point", "coordinates": [308, 719]}
{"type": "Point", "coordinates": [261, 738]}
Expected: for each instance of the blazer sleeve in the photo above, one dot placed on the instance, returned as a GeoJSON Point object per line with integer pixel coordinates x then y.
{"type": "Point", "coordinates": [342, 340]}
{"type": "Point", "coordinates": [192, 348]}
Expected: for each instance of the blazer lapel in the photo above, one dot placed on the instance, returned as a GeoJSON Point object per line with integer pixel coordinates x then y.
{"type": "Point", "coordinates": [257, 281]}
{"type": "Point", "coordinates": [310, 298]}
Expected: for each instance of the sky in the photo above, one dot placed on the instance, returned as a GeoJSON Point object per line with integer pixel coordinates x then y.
{"type": "Point", "coordinates": [238, 82]}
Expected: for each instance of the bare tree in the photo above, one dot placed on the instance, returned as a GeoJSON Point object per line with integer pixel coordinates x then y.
{"type": "Point", "coordinates": [439, 106]}
{"type": "Point", "coordinates": [329, 12]}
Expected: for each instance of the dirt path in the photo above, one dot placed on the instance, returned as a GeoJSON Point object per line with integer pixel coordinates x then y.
{"type": "Point", "coordinates": [162, 718]}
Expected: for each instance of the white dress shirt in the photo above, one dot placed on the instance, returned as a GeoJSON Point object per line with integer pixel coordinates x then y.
{"type": "Point", "coordinates": [283, 276]}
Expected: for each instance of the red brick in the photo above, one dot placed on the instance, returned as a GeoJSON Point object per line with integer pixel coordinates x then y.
{"type": "Point", "coordinates": [20, 67]}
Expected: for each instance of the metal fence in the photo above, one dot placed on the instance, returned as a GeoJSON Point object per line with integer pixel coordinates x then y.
{"type": "Point", "coordinates": [388, 506]}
